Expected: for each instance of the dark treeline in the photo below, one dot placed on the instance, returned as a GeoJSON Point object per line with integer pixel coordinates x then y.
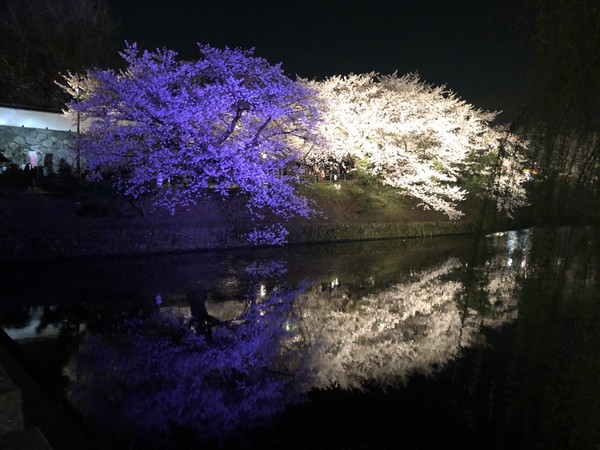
{"type": "Point", "coordinates": [562, 117]}
{"type": "Point", "coordinates": [41, 39]}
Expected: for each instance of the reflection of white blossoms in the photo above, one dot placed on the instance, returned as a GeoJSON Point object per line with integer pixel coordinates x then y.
{"type": "Point", "coordinates": [286, 341]}
{"type": "Point", "coordinates": [411, 327]}
{"type": "Point", "coordinates": [502, 294]}
{"type": "Point", "coordinates": [503, 271]}
{"type": "Point", "coordinates": [408, 327]}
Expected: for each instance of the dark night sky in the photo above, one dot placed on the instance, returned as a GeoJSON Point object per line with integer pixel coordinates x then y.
{"type": "Point", "coordinates": [463, 44]}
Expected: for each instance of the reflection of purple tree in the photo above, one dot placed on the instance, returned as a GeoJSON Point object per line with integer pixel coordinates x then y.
{"type": "Point", "coordinates": [155, 378]}
{"type": "Point", "coordinates": [267, 268]}
{"type": "Point", "coordinates": [201, 320]}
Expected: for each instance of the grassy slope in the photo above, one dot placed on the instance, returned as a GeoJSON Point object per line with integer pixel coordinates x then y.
{"type": "Point", "coordinates": [362, 202]}
{"type": "Point", "coordinates": [356, 202]}
{"type": "Point", "coordinates": [41, 225]}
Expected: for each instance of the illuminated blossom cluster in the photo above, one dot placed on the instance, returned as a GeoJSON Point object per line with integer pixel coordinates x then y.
{"type": "Point", "coordinates": [416, 137]}
{"type": "Point", "coordinates": [176, 130]}
{"type": "Point", "coordinates": [233, 124]}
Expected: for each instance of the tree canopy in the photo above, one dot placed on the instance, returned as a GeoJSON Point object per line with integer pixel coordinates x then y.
{"type": "Point", "coordinates": [419, 138]}
{"type": "Point", "coordinates": [179, 129]}
{"type": "Point", "coordinates": [232, 123]}
{"type": "Point", "coordinates": [561, 120]}
{"type": "Point", "coordinates": [42, 38]}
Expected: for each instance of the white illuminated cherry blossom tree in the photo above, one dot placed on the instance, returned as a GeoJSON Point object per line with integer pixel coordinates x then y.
{"type": "Point", "coordinates": [176, 130]}
{"type": "Point", "coordinates": [419, 138]}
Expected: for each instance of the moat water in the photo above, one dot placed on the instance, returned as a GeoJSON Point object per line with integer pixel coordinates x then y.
{"type": "Point", "coordinates": [448, 342]}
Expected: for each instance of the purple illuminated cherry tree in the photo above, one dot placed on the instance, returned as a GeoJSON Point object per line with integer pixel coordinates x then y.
{"type": "Point", "coordinates": [175, 130]}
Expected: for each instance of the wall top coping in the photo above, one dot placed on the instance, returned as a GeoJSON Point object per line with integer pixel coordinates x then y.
{"type": "Point", "coordinates": [14, 117]}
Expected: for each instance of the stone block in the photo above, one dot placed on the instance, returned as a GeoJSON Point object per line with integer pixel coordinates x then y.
{"type": "Point", "coordinates": [30, 439]}
{"type": "Point", "coordinates": [19, 140]}
{"type": "Point", "coordinates": [11, 405]}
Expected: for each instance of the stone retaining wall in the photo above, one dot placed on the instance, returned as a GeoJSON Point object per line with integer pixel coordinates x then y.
{"type": "Point", "coordinates": [38, 147]}
{"type": "Point", "coordinates": [137, 241]}
{"type": "Point", "coordinates": [352, 232]}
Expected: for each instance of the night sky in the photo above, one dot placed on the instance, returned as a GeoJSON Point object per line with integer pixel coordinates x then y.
{"type": "Point", "coordinates": [464, 44]}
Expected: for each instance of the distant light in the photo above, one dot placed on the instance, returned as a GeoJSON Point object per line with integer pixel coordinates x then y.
{"type": "Point", "coordinates": [32, 329]}
{"type": "Point", "coordinates": [287, 325]}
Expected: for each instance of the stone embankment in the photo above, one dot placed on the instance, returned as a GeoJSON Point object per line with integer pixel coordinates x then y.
{"type": "Point", "coordinates": [116, 241]}
{"type": "Point", "coordinates": [43, 227]}
{"type": "Point", "coordinates": [48, 148]}
{"type": "Point", "coordinates": [30, 418]}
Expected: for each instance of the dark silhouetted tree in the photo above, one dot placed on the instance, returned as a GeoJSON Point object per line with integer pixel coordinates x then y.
{"type": "Point", "coordinates": [42, 38]}
{"type": "Point", "coordinates": [563, 119]}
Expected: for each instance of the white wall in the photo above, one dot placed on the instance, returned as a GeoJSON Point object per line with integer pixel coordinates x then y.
{"type": "Point", "coordinates": [35, 119]}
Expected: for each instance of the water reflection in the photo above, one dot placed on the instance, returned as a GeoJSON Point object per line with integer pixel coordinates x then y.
{"type": "Point", "coordinates": [226, 344]}
{"type": "Point", "coordinates": [385, 335]}
{"type": "Point", "coordinates": [160, 376]}
{"type": "Point", "coordinates": [553, 388]}
{"type": "Point", "coordinates": [167, 375]}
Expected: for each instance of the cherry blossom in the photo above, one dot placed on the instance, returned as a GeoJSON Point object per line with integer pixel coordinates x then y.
{"type": "Point", "coordinates": [419, 138]}
{"type": "Point", "coordinates": [176, 130]}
